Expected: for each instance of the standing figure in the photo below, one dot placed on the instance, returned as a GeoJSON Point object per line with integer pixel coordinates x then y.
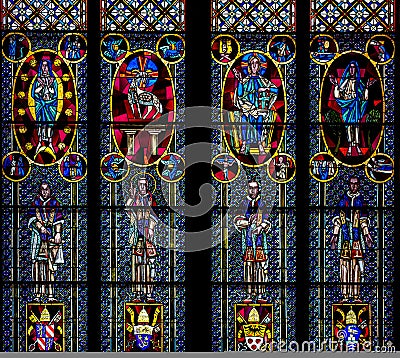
{"type": "Point", "coordinates": [72, 48]}
{"type": "Point", "coordinates": [254, 226]}
{"type": "Point", "coordinates": [323, 170]}
{"type": "Point", "coordinates": [45, 92]}
{"type": "Point", "coordinates": [255, 97]}
{"type": "Point", "coordinates": [281, 167]}
{"type": "Point", "coordinates": [350, 234]}
{"type": "Point", "coordinates": [13, 170]}
{"type": "Point", "coordinates": [351, 95]}
{"type": "Point", "coordinates": [21, 170]}
{"type": "Point", "coordinates": [46, 222]}
{"type": "Point", "coordinates": [79, 168]}
{"type": "Point", "coordinates": [66, 171]}
{"type": "Point", "coordinates": [143, 223]}
{"type": "Point", "coordinates": [12, 47]}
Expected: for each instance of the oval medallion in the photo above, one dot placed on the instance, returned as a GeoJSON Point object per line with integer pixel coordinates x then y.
{"type": "Point", "coordinates": [352, 108]}
{"type": "Point", "coordinates": [254, 108]}
{"type": "Point", "coordinates": [143, 108]}
{"type": "Point", "coordinates": [44, 107]}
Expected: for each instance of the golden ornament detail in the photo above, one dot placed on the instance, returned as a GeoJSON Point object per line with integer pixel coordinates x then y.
{"type": "Point", "coordinates": [22, 129]}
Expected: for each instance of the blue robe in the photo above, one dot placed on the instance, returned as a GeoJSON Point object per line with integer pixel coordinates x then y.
{"type": "Point", "coordinates": [348, 233]}
{"type": "Point", "coordinates": [79, 169]}
{"type": "Point", "coordinates": [248, 92]}
{"type": "Point", "coordinates": [248, 238]}
{"type": "Point", "coordinates": [352, 109]}
{"type": "Point", "coordinates": [45, 110]}
{"type": "Point", "coordinates": [66, 169]}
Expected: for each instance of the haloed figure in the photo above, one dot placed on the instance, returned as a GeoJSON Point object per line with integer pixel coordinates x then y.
{"type": "Point", "coordinates": [141, 235]}
{"type": "Point", "coordinates": [255, 97]}
{"type": "Point", "coordinates": [46, 222]}
{"type": "Point", "coordinates": [254, 226]}
{"type": "Point", "coordinates": [350, 234]}
{"type": "Point", "coordinates": [351, 95]}
{"type": "Point", "coordinates": [45, 92]}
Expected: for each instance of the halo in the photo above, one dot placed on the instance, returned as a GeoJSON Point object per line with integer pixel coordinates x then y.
{"type": "Point", "coordinates": [160, 174]}
{"type": "Point", "coordinates": [282, 36]}
{"type": "Point", "coordinates": [147, 176]}
{"type": "Point", "coordinates": [262, 57]}
{"type": "Point", "coordinates": [120, 36]}
{"type": "Point", "coordinates": [369, 175]}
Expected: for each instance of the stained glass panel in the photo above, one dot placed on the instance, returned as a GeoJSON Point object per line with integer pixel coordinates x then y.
{"type": "Point", "coordinates": [142, 168]}
{"type": "Point", "coordinates": [143, 15]}
{"type": "Point", "coordinates": [351, 189]}
{"type": "Point", "coordinates": [44, 15]}
{"type": "Point", "coordinates": [142, 184]}
{"type": "Point", "coordinates": [253, 16]}
{"type": "Point", "coordinates": [254, 165]}
{"type": "Point", "coordinates": [352, 15]}
{"type": "Point", "coordinates": [44, 136]}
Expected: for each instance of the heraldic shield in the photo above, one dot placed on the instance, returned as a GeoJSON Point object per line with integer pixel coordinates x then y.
{"type": "Point", "coordinates": [253, 327]}
{"type": "Point", "coordinates": [143, 328]}
{"type": "Point", "coordinates": [45, 327]}
{"type": "Point", "coordinates": [351, 326]}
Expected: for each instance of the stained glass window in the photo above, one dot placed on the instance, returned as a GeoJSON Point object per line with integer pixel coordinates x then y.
{"type": "Point", "coordinates": [351, 169]}
{"type": "Point", "coordinates": [253, 170]}
{"type": "Point", "coordinates": [44, 164]}
{"type": "Point", "coordinates": [142, 168]}
{"type": "Point", "coordinates": [97, 247]}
